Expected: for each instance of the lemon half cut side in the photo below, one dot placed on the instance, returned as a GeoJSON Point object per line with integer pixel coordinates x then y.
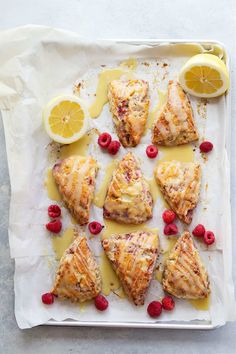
{"type": "Point", "coordinates": [204, 75]}
{"type": "Point", "coordinates": [65, 119]}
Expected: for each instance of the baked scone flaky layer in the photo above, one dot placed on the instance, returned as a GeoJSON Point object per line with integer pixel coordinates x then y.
{"type": "Point", "coordinates": [128, 197]}
{"type": "Point", "coordinates": [78, 277]}
{"type": "Point", "coordinates": [133, 257]}
{"type": "Point", "coordinates": [175, 124]}
{"type": "Point", "coordinates": [180, 185]}
{"type": "Point", "coordinates": [75, 178]}
{"type": "Point", "coordinates": [184, 274]}
{"type": "Point", "coordinates": [129, 105]}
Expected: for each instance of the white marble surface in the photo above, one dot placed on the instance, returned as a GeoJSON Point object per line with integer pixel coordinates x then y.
{"type": "Point", "coordinates": [206, 19]}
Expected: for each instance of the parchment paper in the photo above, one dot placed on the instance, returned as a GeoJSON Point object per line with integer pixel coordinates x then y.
{"type": "Point", "coordinates": [38, 63]}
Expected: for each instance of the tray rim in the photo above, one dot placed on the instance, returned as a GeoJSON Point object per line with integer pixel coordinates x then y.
{"type": "Point", "coordinates": [191, 325]}
{"type": "Point", "coordinates": [201, 324]}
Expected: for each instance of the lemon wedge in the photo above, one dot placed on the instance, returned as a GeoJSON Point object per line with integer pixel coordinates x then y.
{"type": "Point", "coordinates": [65, 119]}
{"type": "Point", "coordinates": [204, 75]}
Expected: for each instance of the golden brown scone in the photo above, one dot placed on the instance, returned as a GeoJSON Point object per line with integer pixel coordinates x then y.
{"type": "Point", "coordinates": [184, 274]}
{"type": "Point", "coordinates": [128, 197]}
{"type": "Point", "coordinates": [133, 257]}
{"type": "Point", "coordinates": [75, 178]}
{"type": "Point", "coordinates": [129, 104]}
{"type": "Point", "coordinates": [78, 277]}
{"type": "Point", "coordinates": [175, 124]}
{"type": "Point", "coordinates": [180, 183]}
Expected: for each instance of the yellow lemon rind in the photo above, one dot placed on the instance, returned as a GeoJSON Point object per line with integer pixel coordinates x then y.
{"type": "Point", "coordinates": [47, 113]}
{"type": "Point", "coordinates": [205, 60]}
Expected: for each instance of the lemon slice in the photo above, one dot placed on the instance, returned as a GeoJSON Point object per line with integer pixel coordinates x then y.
{"type": "Point", "coordinates": [65, 119]}
{"type": "Point", "coordinates": [204, 75]}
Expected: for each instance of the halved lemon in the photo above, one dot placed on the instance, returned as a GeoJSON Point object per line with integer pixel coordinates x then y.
{"type": "Point", "coordinates": [204, 75]}
{"type": "Point", "coordinates": [65, 119]}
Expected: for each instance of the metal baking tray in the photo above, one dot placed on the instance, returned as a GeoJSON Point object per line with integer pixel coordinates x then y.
{"type": "Point", "coordinates": [197, 324]}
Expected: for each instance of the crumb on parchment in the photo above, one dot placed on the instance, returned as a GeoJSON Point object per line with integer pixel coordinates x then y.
{"type": "Point", "coordinates": [204, 157]}
{"type": "Point", "coordinates": [165, 76]}
{"type": "Point", "coordinates": [54, 150]}
{"type": "Point", "coordinates": [202, 108]}
{"type": "Point", "coordinates": [77, 87]}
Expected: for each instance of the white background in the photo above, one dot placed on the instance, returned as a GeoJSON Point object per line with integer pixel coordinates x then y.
{"type": "Point", "coordinates": [196, 19]}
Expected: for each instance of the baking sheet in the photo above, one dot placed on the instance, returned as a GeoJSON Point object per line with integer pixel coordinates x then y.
{"type": "Point", "coordinates": [40, 63]}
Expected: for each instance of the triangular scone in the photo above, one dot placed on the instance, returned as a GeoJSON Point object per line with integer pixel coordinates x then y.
{"type": "Point", "coordinates": [78, 277]}
{"type": "Point", "coordinates": [129, 104]}
{"type": "Point", "coordinates": [128, 197]}
{"type": "Point", "coordinates": [184, 274]}
{"type": "Point", "coordinates": [75, 178]}
{"type": "Point", "coordinates": [180, 184]}
{"type": "Point", "coordinates": [133, 257]}
{"type": "Point", "coordinates": [175, 124]}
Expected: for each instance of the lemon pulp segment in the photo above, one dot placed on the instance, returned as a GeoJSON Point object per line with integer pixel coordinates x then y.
{"type": "Point", "coordinates": [204, 75]}
{"type": "Point", "coordinates": [66, 119]}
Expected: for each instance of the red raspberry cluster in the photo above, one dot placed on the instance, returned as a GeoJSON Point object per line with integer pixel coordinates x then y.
{"type": "Point", "coordinates": [154, 309]}
{"type": "Point", "coordinates": [105, 142]}
{"type": "Point", "coordinates": [170, 228]}
{"type": "Point", "coordinates": [207, 236]}
{"type": "Point", "coordinates": [55, 225]}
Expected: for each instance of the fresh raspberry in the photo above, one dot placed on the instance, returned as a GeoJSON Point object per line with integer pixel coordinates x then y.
{"type": "Point", "coordinates": [113, 147]}
{"type": "Point", "coordinates": [170, 229]}
{"type": "Point", "coordinates": [95, 227]}
{"type": "Point", "coordinates": [154, 309]}
{"type": "Point", "coordinates": [54, 211]}
{"type": "Point", "coordinates": [48, 298]}
{"type": "Point", "coordinates": [54, 226]}
{"type": "Point", "coordinates": [168, 303]}
{"type": "Point", "coordinates": [206, 146]}
{"type": "Point", "coordinates": [104, 140]}
{"type": "Point", "coordinates": [199, 231]}
{"type": "Point", "coordinates": [151, 151]}
{"type": "Point", "coordinates": [168, 216]}
{"type": "Point", "coordinates": [209, 237]}
{"type": "Point", "coordinates": [101, 303]}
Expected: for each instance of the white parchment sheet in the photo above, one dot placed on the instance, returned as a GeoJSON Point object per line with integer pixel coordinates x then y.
{"type": "Point", "coordinates": [38, 63]}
